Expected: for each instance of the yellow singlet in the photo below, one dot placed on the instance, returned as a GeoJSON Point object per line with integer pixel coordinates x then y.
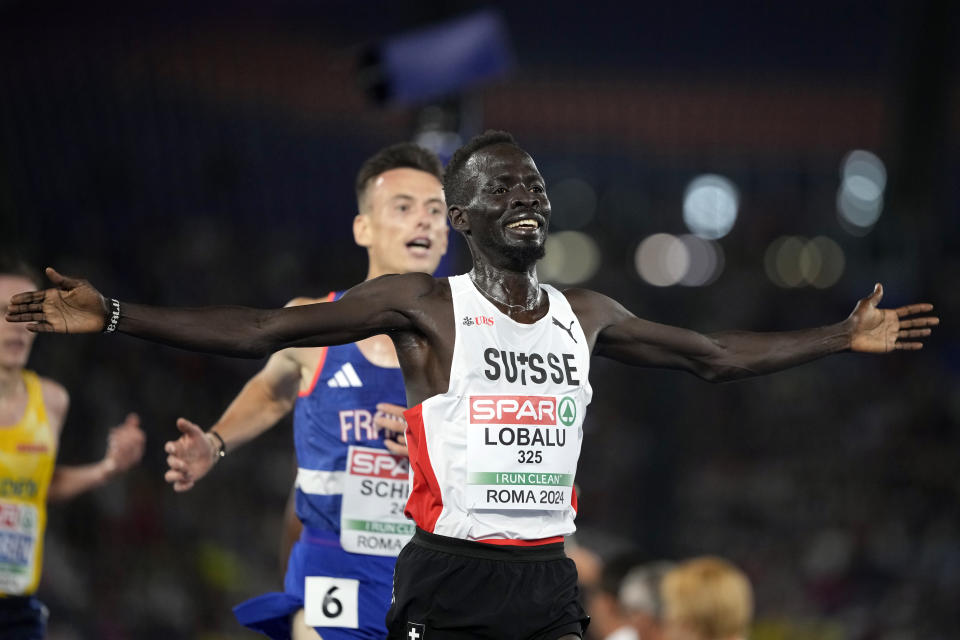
{"type": "Point", "coordinates": [27, 457]}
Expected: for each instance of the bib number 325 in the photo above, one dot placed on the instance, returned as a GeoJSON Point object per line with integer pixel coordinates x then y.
{"type": "Point", "coordinates": [331, 602]}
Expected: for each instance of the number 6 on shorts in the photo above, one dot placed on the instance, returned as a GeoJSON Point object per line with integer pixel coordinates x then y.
{"type": "Point", "coordinates": [330, 602]}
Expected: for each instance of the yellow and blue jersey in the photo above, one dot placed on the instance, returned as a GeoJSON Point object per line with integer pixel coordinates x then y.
{"type": "Point", "coordinates": [28, 451]}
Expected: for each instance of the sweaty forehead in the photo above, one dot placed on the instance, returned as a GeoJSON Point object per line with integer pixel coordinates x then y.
{"type": "Point", "coordinates": [501, 159]}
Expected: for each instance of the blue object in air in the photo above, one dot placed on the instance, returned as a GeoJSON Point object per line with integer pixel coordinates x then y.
{"type": "Point", "coordinates": [446, 58]}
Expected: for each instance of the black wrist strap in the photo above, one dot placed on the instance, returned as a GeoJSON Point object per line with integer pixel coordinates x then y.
{"type": "Point", "coordinates": [111, 316]}
{"type": "Point", "coordinates": [223, 445]}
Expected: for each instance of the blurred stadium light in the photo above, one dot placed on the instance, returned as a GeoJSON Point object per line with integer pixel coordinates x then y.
{"type": "Point", "coordinates": [860, 197]}
{"type": "Point", "coordinates": [662, 260]}
{"type": "Point", "coordinates": [794, 261]}
{"type": "Point", "coordinates": [665, 260]}
{"type": "Point", "coordinates": [572, 257]}
{"type": "Point", "coordinates": [710, 205]}
{"type": "Point", "coordinates": [705, 261]}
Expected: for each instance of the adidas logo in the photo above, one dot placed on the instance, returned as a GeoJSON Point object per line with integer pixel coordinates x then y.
{"type": "Point", "coordinates": [345, 377]}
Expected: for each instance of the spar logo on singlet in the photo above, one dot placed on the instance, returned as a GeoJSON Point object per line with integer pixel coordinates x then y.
{"type": "Point", "coordinates": [378, 464]}
{"type": "Point", "coordinates": [385, 475]}
{"type": "Point", "coordinates": [517, 419]}
{"type": "Point", "coordinates": [567, 412]}
{"type": "Point", "coordinates": [526, 410]}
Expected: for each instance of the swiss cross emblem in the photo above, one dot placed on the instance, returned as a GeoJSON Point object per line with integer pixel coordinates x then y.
{"type": "Point", "coordinates": [415, 631]}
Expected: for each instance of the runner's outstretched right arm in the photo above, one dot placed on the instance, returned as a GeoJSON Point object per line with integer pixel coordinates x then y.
{"type": "Point", "coordinates": [372, 307]}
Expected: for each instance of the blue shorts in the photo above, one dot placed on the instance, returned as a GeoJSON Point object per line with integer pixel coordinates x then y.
{"type": "Point", "coordinates": [22, 618]}
{"type": "Point", "coordinates": [318, 553]}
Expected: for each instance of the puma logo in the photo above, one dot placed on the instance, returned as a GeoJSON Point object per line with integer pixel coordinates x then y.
{"type": "Point", "coordinates": [569, 329]}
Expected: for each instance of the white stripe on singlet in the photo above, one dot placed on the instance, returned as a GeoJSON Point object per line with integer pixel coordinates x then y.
{"type": "Point", "coordinates": [320, 483]}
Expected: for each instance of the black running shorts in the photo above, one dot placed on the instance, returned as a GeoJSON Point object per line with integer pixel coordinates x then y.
{"type": "Point", "coordinates": [450, 589]}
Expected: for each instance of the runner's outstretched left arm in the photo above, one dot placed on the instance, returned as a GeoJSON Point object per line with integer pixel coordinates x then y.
{"type": "Point", "coordinates": [731, 355]}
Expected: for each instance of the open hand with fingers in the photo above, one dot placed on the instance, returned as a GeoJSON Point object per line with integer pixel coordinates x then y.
{"type": "Point", "coordinates": [390, 417]}
{"type": "Point", "coordinates": [189, 457]}
{"type": "Point", "coordinates": [874, 330]}
{"type": "Point", "coordinates": [125, 445]}
{"type": "Point", "coordinates": [71, 306]}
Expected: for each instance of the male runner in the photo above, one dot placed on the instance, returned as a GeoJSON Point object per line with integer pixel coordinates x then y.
{"type": "Point", "coordinates": [32, 412]}
{"type": "Point", "coordinates": [496, 372]}
{"type": "Point", "coordinates": [344, 399]}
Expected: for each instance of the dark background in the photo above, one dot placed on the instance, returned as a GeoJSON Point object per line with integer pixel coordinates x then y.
{"type": "Point", "coordinates": [204, 152]}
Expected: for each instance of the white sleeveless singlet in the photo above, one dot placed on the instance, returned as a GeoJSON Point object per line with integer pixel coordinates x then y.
{"type": "Point", "coordinates": [493, 459]}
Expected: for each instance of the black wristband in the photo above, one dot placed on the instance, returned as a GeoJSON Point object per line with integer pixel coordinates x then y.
{"type": "Point", "coordinates": [223, 445]}
{"type": "Point", "coordinates": [111, 315]}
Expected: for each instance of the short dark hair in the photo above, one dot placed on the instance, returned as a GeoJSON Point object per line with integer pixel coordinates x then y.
{"type": "Point", "coordinates": [397, 156]}
{"type": "Point", "coordinates": [453, 180]}
{"type": "Point", "coordinates": [14, 266]}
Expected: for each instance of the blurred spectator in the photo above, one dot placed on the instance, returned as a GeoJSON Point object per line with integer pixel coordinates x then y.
{"type": "Point", "coordinates": [706, 598]}
{"type": "Point", "coordinates": [608, 620]}
{"type": "Point", "coordinates": [641, 601]}
{"type": "Point", "coordinates": [589, 564]}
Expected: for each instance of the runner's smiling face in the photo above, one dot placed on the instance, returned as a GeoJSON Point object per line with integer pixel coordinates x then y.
{"type": "Point", "coordinates": [508, 214]}
{"type": "Point", "coordinates": [402, 222]}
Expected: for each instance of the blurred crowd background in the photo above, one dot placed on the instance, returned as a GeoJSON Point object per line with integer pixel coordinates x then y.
{"type": "Point", "coordinates": [711, 165]}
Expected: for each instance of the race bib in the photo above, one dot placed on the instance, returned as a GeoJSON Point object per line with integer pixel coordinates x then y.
{"type": "Point", "coordinates": [375, 491]}
{"type": "Point", "coordinates": [521, 452]}
{"type": "Point", "coordinates": [331, 602]}
{"type": "Point", "coordinates": [18, 539]}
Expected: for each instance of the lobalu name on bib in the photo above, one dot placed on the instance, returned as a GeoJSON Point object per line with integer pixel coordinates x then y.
{"type": "Point", "coordinates": [522, 451]}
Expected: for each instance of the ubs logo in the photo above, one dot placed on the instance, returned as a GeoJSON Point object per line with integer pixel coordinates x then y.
{"type": "Point", "coordinates": [469, 321]}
